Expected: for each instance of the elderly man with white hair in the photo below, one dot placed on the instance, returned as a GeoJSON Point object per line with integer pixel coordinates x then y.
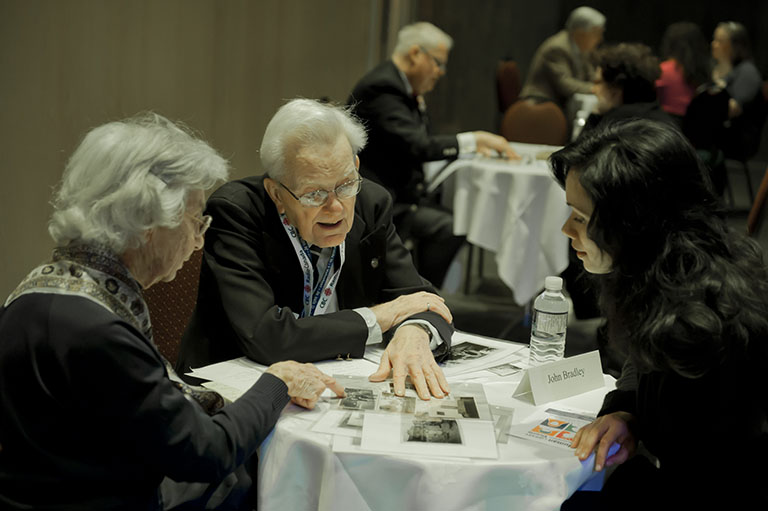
{"type": "Point", "coordinates": [304, 263]}
{"type": "Point", "coordinates": [91, 414]}
{"type": "Point", "coordinates": [561, 66]}
{"type": "Point", "coordinates": [390, 101]}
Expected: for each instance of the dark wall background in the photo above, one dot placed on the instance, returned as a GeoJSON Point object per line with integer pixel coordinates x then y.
{"type": "Point", "coordinates": [487, 31]}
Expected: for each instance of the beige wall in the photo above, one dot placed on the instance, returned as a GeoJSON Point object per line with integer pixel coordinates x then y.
{"type": "Point", "coordinates": [222, 66]}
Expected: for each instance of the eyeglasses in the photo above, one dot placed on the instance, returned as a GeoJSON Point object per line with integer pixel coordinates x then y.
{"type": "Point", "coordinates": [317, 198]}
{"type": "Point", "coordinates": [202, 223]}
{"type": "Point", "coordinates": [441, 65]}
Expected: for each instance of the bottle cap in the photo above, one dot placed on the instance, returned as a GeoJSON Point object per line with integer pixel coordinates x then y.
{"type": "Point", "coordinates": [553, 284]}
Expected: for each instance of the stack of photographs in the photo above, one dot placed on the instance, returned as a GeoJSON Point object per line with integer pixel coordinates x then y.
{"type": "Point", "coordinates": [371, 418]}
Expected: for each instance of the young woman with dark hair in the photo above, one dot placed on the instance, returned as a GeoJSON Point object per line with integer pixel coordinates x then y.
{"type": "Point", "coordinates": [686, 299]}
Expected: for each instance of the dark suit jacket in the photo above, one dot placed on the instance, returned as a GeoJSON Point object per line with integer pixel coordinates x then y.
{"type": "Point", "coordinates": [251, 283]}
{"type": "Point", "coordinates": [557, 73]}
{"type": "Point", "coordinates": [399, 138]}
{"type": "Point", "coordinates": [89, 419]}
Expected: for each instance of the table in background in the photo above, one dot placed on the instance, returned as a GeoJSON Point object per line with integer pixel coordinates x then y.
{"type": "Point", "coordinates": [516, 210]}
{"type": "Point", "coordinates": [299, 471]}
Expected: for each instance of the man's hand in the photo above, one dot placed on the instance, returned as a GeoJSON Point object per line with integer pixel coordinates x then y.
{"type": "Point", "coordinates": [602, 434]}
{"type": "Point", "coordinates": [403, 307]}
{"type": "Point", "coordinates": [487, 143]}
{"type": "Point", "coordinates": [408, 353]}
{"type": "Point", "coordinates": [305, 382]}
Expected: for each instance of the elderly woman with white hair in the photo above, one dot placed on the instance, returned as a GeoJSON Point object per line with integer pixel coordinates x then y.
{"type": "Point", "coordinates": [91, 414]}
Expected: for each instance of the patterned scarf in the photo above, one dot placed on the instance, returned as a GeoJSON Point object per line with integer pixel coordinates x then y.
{"type": "Point", "coordinates": [96, 273]}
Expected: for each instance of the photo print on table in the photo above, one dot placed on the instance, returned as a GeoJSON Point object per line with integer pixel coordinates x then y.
{"type": "Point", "coordinates": [507, 369]}
{"type": "Point", "coordinates": [358, 399]}
{"type": "Point", "coordinates": [467, 351]}
{"type": "Point", "coordinates": [389, 402]}
{"type": "Point", "coordinates": [449, 408]}
{"type": "Point", "coordinates": [440, 431]}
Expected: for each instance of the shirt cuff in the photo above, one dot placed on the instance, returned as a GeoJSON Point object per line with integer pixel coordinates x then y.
{"type": "Point", "coordinates": [374, 330]}
{"type": "Point", "coordinates": [467, 143]}
{"type": "Point", "coordinates": [435, 339]}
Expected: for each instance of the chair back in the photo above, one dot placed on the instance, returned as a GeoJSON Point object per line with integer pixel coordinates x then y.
{"type": "Point", "coordinates": [508, 84]}
{"type": "Point", "coordinates": [757, 222]}
{"type": "Point", "coordinates": [171, 305]}
{"type": "Point", "coordinates": [535, 123]}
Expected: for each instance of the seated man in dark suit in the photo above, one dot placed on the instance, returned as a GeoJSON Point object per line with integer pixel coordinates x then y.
{"type": "Point", "coordinates": [304, 263]}
{"type": "Point", "coordinates": [389, 100]}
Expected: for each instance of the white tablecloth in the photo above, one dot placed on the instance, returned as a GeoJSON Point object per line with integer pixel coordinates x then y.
{"type": "Point", "coordinates": [515, 210]}
{"type": "Point", "coordinates": [299, 471]}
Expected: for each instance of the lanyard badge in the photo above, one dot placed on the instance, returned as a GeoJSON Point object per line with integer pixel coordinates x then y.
{"type": "Point", "coordinates": [317, 296]}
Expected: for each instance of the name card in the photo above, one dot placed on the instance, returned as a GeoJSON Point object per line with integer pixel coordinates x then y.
{"type": "Point", "coordinates": [561, 379]}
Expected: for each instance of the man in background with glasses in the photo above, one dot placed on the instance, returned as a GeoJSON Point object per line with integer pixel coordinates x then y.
{"type": "Point", "coordinates": [305, 264]}
{"type": "Point", "coordinates": [390, 101]}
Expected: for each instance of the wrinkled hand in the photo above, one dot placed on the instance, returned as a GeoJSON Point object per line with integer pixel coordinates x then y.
{"type": "Point", "coordinates": [408, 353]}
{"type": "Point", "coordinates": [305, 382]}
{"type": "Point", "coordinates": [403, 307]}
{"type": "Point", "coordinates": [602, 434]}
{"type": "Point", "coordinates": [487, 143]}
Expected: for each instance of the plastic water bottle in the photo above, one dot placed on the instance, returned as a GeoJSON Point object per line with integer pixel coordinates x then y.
{"type": "Point", "coordinates": [550, 318]}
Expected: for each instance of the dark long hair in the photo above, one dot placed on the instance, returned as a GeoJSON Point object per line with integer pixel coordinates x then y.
{"type": "Point", "coordinates": [685, 42]}
{"type": "Point", "coordinates": [684, 290]}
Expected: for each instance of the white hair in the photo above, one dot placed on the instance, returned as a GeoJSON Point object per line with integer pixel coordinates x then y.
{"type": "Point", "coordinates": [584, 18]}
{"type": "Point", "coordinates": [304, 123]}
{"type": "Point", "coordinates": [129, 176]}
{"type": "Point", "coordinates": [423, 34]}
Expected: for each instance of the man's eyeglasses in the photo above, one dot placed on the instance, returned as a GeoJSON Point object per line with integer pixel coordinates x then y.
{"type": "Point", "coordinates": [202, 223]}
{"type": "Point", "coordinates": [317, 198]}
{"type": "Point", "coordinates": [443, 66]}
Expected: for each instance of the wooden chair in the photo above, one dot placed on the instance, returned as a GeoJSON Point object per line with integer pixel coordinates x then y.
{"type": "Point", "coordinates": [508, 84]}
{"type": "Point", "coordinates": [535, 123]}
{"type": "Point", "coordinates": [171, 305]}
{"type": "Point", "coordinates": [757, 224]}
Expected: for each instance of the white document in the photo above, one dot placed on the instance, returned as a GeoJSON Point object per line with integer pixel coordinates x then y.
{"type": "Point", "coordinates": [429, 436]}
{"type": "Point", "coordinates": [341, 422]}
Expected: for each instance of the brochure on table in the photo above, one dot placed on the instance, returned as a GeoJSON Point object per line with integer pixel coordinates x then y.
{"type": "Point", "coordinates": [556, 428]}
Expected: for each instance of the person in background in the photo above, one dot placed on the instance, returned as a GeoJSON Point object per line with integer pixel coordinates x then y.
{"type": "Point", "coordinates": [304, 263]}
{"type": "Point", "coordinates": [561, 66]}
{"type": "Point", "coordinates": [91, 414]}
{"type": "Point", "coordinates": [735, 71]}
{"type": "Point", "coordinates": [389, 100]}
{"type": "Point", "coordinates": [625, 85]}
{"type": "Point", "coordinates": [685, 68]}
{"type": "Point", "coordinates": [686, 299]}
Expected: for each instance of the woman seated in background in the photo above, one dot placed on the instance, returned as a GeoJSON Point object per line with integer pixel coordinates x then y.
{"type": "Point", "coordinates": [687, 300]}
{"type": "Point", "coordinates": [91, 415]}
{"type": "Point", "coordinates": [737, 74]}
{"type": "Point", "coordinates": [625, 85]}
{"type": "Point", "coordinates": [685, 68]}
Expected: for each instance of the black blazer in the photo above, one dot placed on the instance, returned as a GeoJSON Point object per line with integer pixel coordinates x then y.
{"type": "Point", "coordinates": [90, 420]}
{"type": "Point", "coordinates": [251, 283]}
{"type": "Point", "coordinates": [399, 138]}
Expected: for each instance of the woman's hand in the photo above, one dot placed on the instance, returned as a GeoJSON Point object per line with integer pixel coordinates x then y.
{"type": "Point", "coordinates": [602, 434]}
{"type": "Point", "coordinates": [305, 382]}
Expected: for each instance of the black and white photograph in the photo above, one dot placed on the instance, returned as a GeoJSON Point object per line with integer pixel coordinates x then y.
{"type": "Point", "coordinates": [389, 402]}
{"type": "Point", "coordinates": [358, 399]}
{"type": "Point", "coordinates": [441, 431]}
{"type": "Point", "coordinates": [507, 369]}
